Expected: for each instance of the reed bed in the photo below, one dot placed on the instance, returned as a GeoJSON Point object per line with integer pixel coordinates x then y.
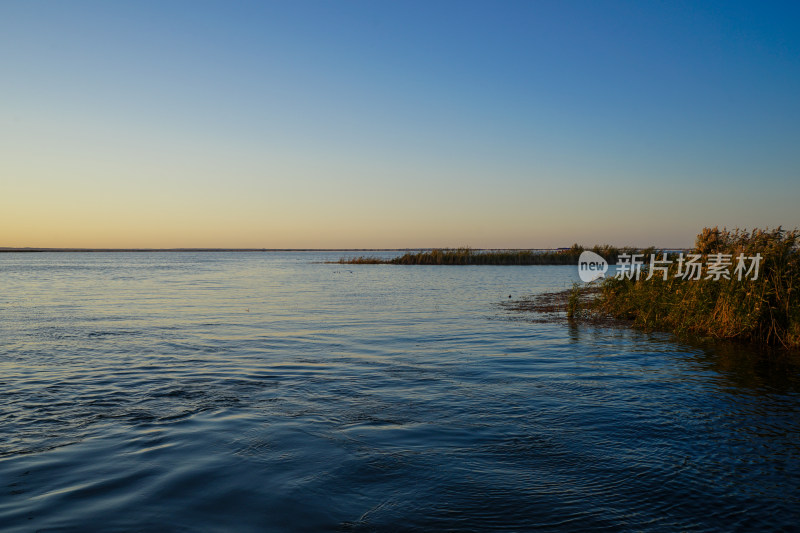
{"type": "Point", "coordinates": [468, 256]}
{"type": "Point", "coordinates": [765, 310]}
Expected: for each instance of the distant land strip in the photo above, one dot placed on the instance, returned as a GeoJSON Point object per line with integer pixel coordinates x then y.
{"type": "Point", "coordinates": [32, 249]}
{"type": "Point", "coordinates": [469, 256]}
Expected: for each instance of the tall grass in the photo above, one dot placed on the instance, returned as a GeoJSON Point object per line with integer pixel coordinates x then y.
{"type": "Point", "coordinates": [765, 310]}
{"type": "Point", "coordinates": [574, 301]}
{"type": "Point", "coordinates": [361, 260]}
{"type": "Point", "coordinates": [468, 256]}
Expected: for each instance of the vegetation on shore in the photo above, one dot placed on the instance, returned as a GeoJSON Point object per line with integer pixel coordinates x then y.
{"type": "Point", "coordinates": [760, 307]}
{"type": "Point", "coordinates": [765, 310]}
{"type": "Point", "coordinates": [468, 256]}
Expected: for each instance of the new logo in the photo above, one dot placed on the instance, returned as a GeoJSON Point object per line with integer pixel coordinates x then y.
{"type": "Point", "coordinates": [591, 266]}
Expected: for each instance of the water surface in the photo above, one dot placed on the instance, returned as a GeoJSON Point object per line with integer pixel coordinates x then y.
{"type": "Point", "coordinates": [273, 391]}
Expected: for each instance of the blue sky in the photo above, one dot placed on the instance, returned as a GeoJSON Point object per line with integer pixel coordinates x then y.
{"type": "Point", "coordinates": [395, 124]}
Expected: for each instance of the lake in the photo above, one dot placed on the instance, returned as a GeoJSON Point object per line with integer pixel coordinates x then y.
{"type": "Point", "coordinates": [270, 391]}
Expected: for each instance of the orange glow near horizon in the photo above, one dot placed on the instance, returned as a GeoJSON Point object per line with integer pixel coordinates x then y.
{"type": "Point", "coordinates": [284, 125]}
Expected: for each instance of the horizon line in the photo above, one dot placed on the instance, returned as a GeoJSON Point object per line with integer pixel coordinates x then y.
{"type": "Point", "coordinates": [195, 249]}
{"type": "Point", "coordinates": [8, 249]}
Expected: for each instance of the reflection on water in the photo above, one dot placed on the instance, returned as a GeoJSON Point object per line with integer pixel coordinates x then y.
{"type": "Point", "coordinates": [751, 370]}
{"type": "Point", "coordinates": [275, 392]}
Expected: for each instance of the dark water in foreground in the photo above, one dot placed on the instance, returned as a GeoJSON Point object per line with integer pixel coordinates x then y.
{"type": "Point", "coordinates": [254, 392]}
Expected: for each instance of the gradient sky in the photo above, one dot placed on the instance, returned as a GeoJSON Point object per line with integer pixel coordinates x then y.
{"type": "Point", "coordinates": [395, 124]}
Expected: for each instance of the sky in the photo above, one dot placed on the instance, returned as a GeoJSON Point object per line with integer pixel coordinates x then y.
{"type": "Point", "coordinates": [405, 124]}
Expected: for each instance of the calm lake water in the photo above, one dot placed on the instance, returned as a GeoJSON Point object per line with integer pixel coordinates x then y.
{"type": "Point", "coordinates": [273, 392]}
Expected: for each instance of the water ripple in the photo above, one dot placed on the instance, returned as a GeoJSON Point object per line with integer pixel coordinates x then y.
{"type": "Point", "coordinates": [177, 392]}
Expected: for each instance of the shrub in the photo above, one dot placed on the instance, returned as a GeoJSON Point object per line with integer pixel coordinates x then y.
{"type": "Point", "coordinates": [765, 310]}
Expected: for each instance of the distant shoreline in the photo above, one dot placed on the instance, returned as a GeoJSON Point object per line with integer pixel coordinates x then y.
{"type": "Point", "coordinates": [39, 250]}
{"type": "Point", "coordinates": [95, 250]}
{"type": "Point", "coordinates": [470, 256]}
